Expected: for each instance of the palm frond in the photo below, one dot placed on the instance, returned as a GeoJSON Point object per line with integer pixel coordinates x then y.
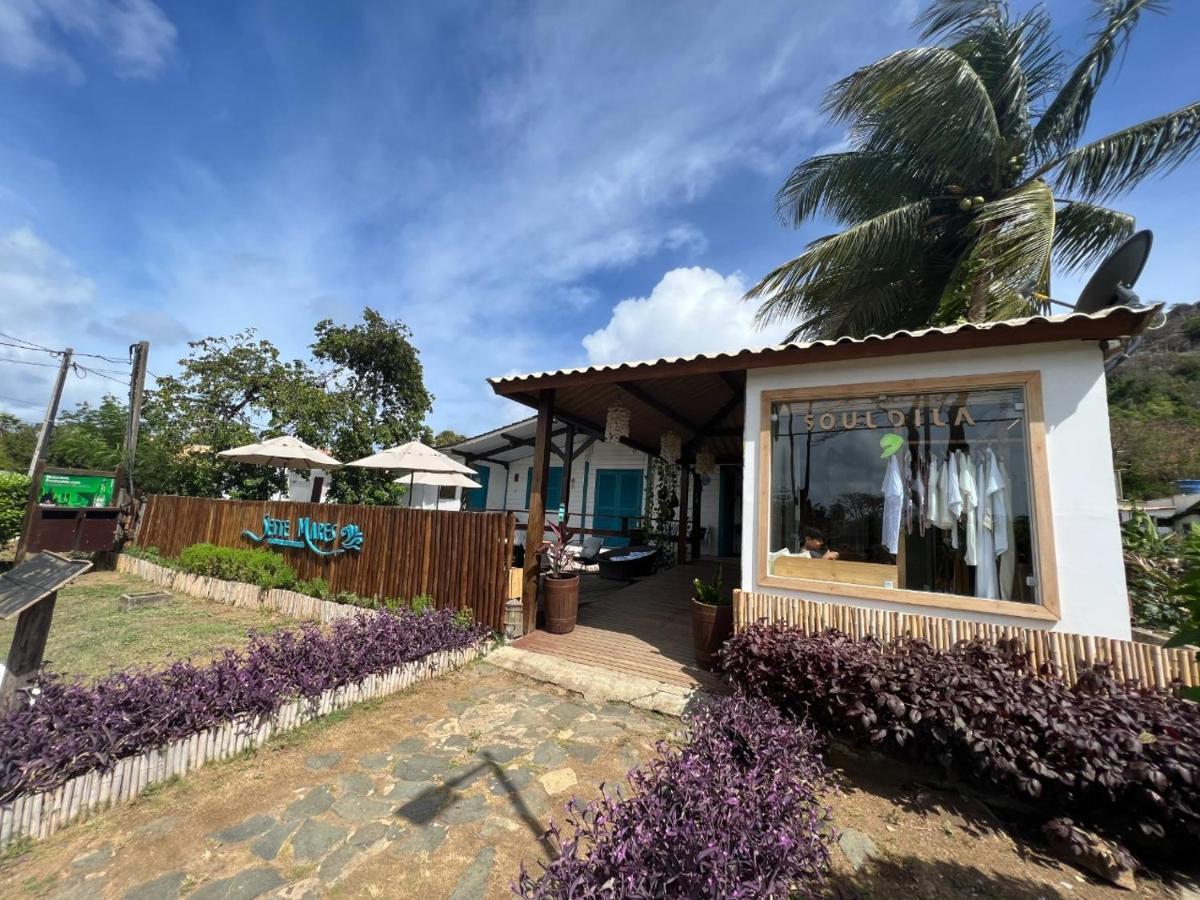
{"type": "Point", "coordinates": [956, 19]}
{"type": "Point", "coordinates": [1010, 255]}
{"type": "Point", "coordinates": [1085, 233]}
{"type": "Point", "coordinates": [1117, 163]}
{"type": "Point", "coordinates": [1064, 120]}
{"type": "Point", "coordinates": [851, 186]}
{"type": "Point", "coordinates": [927, 104]}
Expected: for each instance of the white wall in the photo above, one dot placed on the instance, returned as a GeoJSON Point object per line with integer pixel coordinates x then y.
{"type": "Point", "coordinates": [299, 487]}
{"type": "Point", "coordinates": [1087, 539]}
{"type": "Point", "coordinates": [506, 493]}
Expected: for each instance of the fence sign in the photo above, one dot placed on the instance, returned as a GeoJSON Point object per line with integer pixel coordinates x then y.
{"type": "Point", "coordinates": [322, 538]}
{"type": "Point", "coordinates": [76, 489]}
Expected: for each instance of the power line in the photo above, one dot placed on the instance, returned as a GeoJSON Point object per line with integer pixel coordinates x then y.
{"type": "Point", "coordinates": [97, 372]}
{"type": "Point", "coordinates": [28, 362]}
{"type": "Point", "coordinates": [20, 402]}
{"type": "Point", "coordinates": [26, 344]}
{"type": "Point", "coordinates": [30, 343]}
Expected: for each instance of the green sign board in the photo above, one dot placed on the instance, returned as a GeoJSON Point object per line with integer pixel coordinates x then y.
{"type": "Point", "coordinates": [60, 489]}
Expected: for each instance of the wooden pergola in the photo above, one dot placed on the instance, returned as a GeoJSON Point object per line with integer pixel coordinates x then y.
{"type": "Point", "coordinates": [702, 398]}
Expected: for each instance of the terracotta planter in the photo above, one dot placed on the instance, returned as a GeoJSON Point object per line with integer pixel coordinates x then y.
{"type": "Point", "coordinates": [562, 603]}
{"type": "Point", "coordinates": [711, 627]}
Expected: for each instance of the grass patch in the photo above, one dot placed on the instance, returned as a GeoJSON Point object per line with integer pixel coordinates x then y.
{"type": "Point", "coordinates": [91, 635]}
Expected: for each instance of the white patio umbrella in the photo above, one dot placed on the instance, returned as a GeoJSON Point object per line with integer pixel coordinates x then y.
{"type": "Point", "coordinates": [439, 479]}
{"type": "Point", "coordinates": [412, 458]}
{"type": "Point", "coordinates": [285, 452]}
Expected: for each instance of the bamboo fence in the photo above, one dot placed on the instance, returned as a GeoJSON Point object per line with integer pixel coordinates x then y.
{"type": "Point", "coordinates": [1149, 665]}
{"type": "Point", "coordinates": [461, 559]}
{"type": "Point", "coordinates": [40, 815]}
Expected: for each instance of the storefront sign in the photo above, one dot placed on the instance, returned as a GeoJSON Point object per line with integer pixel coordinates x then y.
{"type": "Point", "coordinates": [890, 418]}
{"type": "Point", "coordinates": [322, 538]}
{"type": "Point", "coordinates": [64, 489]}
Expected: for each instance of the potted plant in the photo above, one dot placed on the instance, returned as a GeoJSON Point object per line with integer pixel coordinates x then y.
{"type": "Point", "coordinates": [712, 620]}
{"type": "Point", "coordinates": [561, 584]}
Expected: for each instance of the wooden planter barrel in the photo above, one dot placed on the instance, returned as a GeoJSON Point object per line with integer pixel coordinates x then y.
{"type": "Point", "coordinates": [711, 627]}
{"type": "Point", "coordinates": [562, 603]}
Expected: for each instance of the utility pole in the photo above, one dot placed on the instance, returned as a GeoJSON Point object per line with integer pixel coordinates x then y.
{"type": "Point", "coordinates": [137, 385]}
{"type": "Point", "coordinates": [43, 441]}
{"type": "Point", "coordinates": [38, 464]}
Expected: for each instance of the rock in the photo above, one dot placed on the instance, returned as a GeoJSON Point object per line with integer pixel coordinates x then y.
{"type": "Point", "coordinates": [420, 767]}
{"type": "Point", "coordinates": [322, 761]}
{"type": "Point", "coordinates": [465, 776]}
{"type": "Point", "coordinates": [456, 742]}
{"type": "Point", "coordinates": [159, 827]}
{"type": "Point", "coordinates": [313, 803]}
{"type": "Point", "coordinates": [528, 718]}
{"type": "Point", "coordinates": [355, 783]}
{"type": "Point", "coordinates": [375, 761]}
{"type": "Point", "coordinates": [510, 780]}
{"type": "Point", "coordinates": [585, 753]}
{"type": "Point", "coordinates": [164, 887]}
{"type": "Point", "coordinates": [420, 840]}
{"type": "Point", "coordinates": [599, 729]}
{"type": "Point", "coordinates": [410, 745]}
{"type": "Point", "coordinates": [90, 862]}
{"type": "Point", "coordinates": [268, 846]}
{"type": "Point", "coordinates": [1090, 852]}
{"type": "Point", "coordinates": [463, 810]}
{"type": "Point", "coordinates": [314, 839]}
{"type": "Point", "coordinates": [549, 754]}
{"type": "Point", "coordinates": [857, 846]}
{"type": "Point", "coordinates": [559, 780]}
{"type": "Point", "coordinates": [369, 835]}
{"type": "Point", "coordinates": [406, 790]}
{"type": "Point", "coordinates": [472, 884]}
{"type": "Point", "coordinates": [500, 753]}
{"type": "Point", "coordinates": [243, 831]}
{"type": "Point", "coordinates": [335, 863]}
{"type": "Point", "coordinates": [362, 809]}
{"type": "Point", "coordinates": [422, 808]}
{"type": "Point", "coordinates": [566, 713]}
{"type": "Point", "coordinates": [242, 886]}
{"type": "Point", "coordinates": [458, 707]}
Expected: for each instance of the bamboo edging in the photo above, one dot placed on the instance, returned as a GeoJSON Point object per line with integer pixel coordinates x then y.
{"type": "Point", "coordinates": [1149, 665]}
{"type": "Point", "coordinates": [37, 816]}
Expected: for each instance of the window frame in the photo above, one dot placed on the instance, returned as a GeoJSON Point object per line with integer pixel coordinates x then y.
{"type": "Point", "coordinates": [1043, 521]}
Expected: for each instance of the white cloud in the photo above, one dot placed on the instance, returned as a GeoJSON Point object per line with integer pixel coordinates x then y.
{"type": "Point", "coordinates": [135, 33]}
{"type": "Point", "coordinates": [692, 310]}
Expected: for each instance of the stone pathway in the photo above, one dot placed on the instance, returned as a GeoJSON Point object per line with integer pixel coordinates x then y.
{"type": "Point", "coordinates": [440, 792]}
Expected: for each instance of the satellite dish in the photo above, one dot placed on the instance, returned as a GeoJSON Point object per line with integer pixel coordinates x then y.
{"type": "Point", "coordinates": [1112, 284]}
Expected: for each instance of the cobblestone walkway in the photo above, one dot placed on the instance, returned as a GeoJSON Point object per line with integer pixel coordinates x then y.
{"type": "Point", "coordinates": [440, 792]}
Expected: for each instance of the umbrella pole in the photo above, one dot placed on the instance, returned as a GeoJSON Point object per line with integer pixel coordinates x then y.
{"type": "Point", "coordinates": [411, 477]}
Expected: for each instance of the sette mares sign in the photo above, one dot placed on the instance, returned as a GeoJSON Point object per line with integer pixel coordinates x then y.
{"type": "Point", "coordinates": [322, 538]}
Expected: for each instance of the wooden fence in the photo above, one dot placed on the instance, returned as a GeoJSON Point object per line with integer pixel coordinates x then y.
{"type": "Point", "coordinates": [1149, 664]}
{"type": "Point", "coordinates": [40, 815]}
{"type": "Point", "coordinates": [458, 558]}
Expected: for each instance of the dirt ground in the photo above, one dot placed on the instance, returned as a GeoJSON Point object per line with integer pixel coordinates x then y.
{"type": "Point", "coordinates": [445, 790]}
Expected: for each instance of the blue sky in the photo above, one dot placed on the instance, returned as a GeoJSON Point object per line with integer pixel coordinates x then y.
{"type": "Point", "coordinates": [527, 185]}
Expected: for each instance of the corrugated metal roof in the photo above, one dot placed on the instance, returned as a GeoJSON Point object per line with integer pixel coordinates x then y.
{"type": "Point", "coordinates": [1126, 321]}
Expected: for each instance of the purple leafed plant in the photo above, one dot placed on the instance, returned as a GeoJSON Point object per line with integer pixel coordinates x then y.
{"type": "Point", "coordinates": [735, 812]}
{"type": "Point", "coordinates": [73, 726]}
{"type": "Point", "coordinates": [1122, 759]}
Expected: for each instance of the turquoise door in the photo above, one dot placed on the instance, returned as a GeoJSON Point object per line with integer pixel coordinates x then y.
{"type": "Point", "coordinates": [618, 497]}
{"type": "Point", "coordinates": [553, 489]}
{"type": "Point", "coordinates": [477, 497]}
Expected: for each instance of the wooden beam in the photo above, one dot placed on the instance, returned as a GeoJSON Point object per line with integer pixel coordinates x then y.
{"type": "Point", "coordinates": [27, 648]}
{"type": "Point", "coordinates": [583, 448]}
{"type": "Point", "coordinates": [536, 527]}
{"type": "Point", "coordinates": [642, 395]}
{"type": "Point", "coordinates": [681, 537]}
{"type": "Point", "coordinates": [568, 457]}
{"type": "Point", "coordinates": [585, 425]}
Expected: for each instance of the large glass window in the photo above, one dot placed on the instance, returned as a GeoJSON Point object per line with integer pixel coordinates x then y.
{"type": "Point", "coordinates": [927, 491]}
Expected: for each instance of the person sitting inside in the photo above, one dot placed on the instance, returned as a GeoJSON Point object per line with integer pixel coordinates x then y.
{"type": "Point", "coordinates": [814, 545]}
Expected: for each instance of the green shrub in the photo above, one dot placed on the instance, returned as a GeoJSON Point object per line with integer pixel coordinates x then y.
{"type": "Point", "coordinates": [150, 554]}
{"type": "Point", "coordinates": [421, 603]}
{"type": "Point", "coordinates": [314, 587]}
{"type": "Point", "coordinates": [1162, 572]}
{"type": "Point", "coordinates": [14, 493]}
{"type": "Point", "coordinates": [464, 618]}
{"type": "Point", "coordinates": [260, 567]}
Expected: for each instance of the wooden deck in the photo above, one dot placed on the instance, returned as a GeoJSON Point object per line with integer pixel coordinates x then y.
{"type": "Point", "coordinates": [642, 629]}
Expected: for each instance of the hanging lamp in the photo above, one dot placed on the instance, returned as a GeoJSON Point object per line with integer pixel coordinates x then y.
{"type": "Point", "coordinates": [670, 447]}
{"type": "Point", "coordinates": [706, 463]}
{"type": "Point", "coordinates": [616, 423]}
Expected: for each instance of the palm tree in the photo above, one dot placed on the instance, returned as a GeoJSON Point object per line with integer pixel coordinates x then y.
{"type": "Point", "coordinates": [964, 176]}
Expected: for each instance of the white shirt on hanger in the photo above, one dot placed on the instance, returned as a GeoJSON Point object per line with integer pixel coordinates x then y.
{"type": "Point", "coordinates": [893, 500]}
{"type": "Point", "coordinates": [970, 505]}
{"type": "Point", "coordinates": [954, 503]}
{"type": "Point", "coordinates": [987, 479]}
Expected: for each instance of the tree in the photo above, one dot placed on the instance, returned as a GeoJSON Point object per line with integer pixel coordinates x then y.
{"type": "Point", "coordinates": [381, 391]}
{"type": "Point", "coordinates": [17, 440]}
{"type": "Point", "coordinates": [965, 176]}
{"type": "Point", "coordinates": [447, 437]}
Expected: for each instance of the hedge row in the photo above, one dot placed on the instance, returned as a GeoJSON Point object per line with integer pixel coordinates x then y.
{"type": "Point", "coordinates": [734, 812]}
{"type": "Point", "coordinates": [71, 727]}
{"type": "Point", "coordinates": [1119, 758]}
{"type": "Point", "coordinates": [267, 570]}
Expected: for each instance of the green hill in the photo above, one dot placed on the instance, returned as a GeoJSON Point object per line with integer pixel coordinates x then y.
{"type": "Point", "coordinates": [1154, 401]}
